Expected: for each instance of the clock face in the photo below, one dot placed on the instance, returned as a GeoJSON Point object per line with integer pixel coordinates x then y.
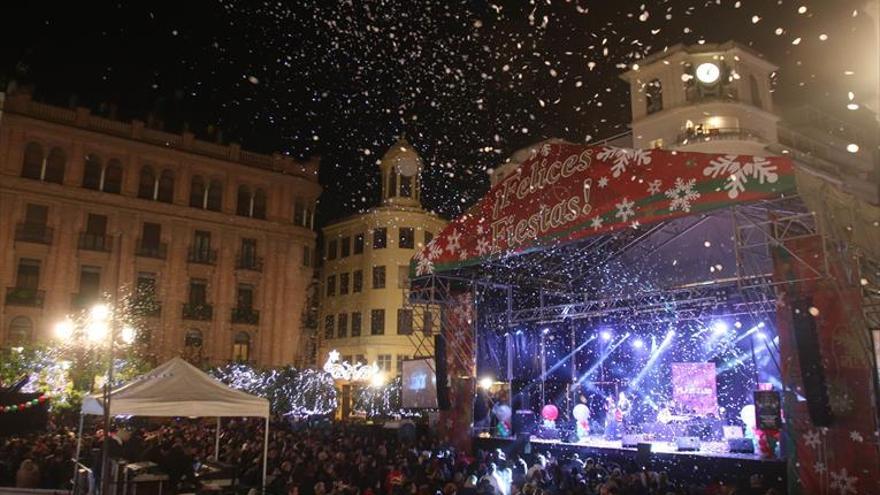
{"type": "Point", "coordinates": [708, 73]}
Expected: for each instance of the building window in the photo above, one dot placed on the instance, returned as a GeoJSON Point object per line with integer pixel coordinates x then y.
{"type": "Point", "coordinates": [356, 324]}
{"type": "Point", "coordinates": [299, 213]}
{"type": "Point", "coordinates": [157, 188]}
{"type": "Point", "coordinates": [165, 189]}
{"type": "Point", "coordinates": [307, 256]}
{"type": "Point", "coordinates": [150, 244]}
{"type": "Point", "coordinates": [207, 196]}
{"type": "Point", "coordinates": [400, 359]}
{"type": "Point", "coordinates": [384, 362]}
{"type": "Point", "coordinates": [404, 321]}
{"type": "Point", "coordinates": [378, 277]}
{"type": "Point", "coordinates": [259, 204]}
{"type": "Point", "coordinates": [92, 172]}
{"type": "Point", "coordinates": [359, 244]}
{"type": "Point", "coordinates": [250, 204]}
{"type": "Point", "coordinates": [380, 238]}
{"type": "Point", "coordinates": [198, 292]}
{"type": "Point", "coordinates": [95, 236]}
{"type": "Point", "coordinates": [343, 284]}
{"type": "Point", "coordinates": [654, 96]}
{"type": "Point", "coordinates": [89, 286]}
{"type": "Point", "coordinates": [20, 331]}
{"type": "Point", "coordinates": [331, 286]}
{"type": "Point", "coordinates": [244, 297]}
{"type": "Point", "coordinates": [342, 325]}
{"type": "Point", "coordinates": [248, 254]}
{"type": "Point", "coordinates": [360, 359]}
{"type": "Point", "coordinates": [755, 91]}
{"type": "Point", "coordinates": [428, 237]}
{"type": "Point", "coordinates": [193, 339]}
{"type": "Point", "coordinates": [329, 329]}
{"type": "Point", "coordinates": [28, 275]}
{"type": "Point", "coordinates": [145, 296]}
{"type": "Point", "coordinates": [99, 177]}
{"type": "Point", "coordinates": [406, 188]}
{"type": "Point", "coordinates": [357, 281]}
{"type": "Point", "coordinates": [332, 249]}
{"type": "Point", "coordinates": [201, 251]}
{"type": "Point", "coordinates": [345, 244]}
{"type": "Point", "coordinates": [377, 322]}
{"type": "Point", "coordinates": [241, 347]}
{"type": "Point", "coordinates": [38, 167]}
{"type": "Point", "coordinates": [392, 182]}
{"type": "Point", "coordinates": [402, 276]}
{"type": "Point", "coordinates": [214, 197]}
{"type": "Point", "coordinates": [407, 238]}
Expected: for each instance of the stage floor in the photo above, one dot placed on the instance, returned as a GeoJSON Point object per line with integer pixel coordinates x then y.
{"type": "Point", "coordinates": [711, 462]}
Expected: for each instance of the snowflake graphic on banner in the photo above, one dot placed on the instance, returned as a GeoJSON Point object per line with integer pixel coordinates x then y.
{"type": "Point", "coordinates": [739, 174]}
{"type": "Point", "coordinates": [843, 483]}
{"type": "Point", "coordinates": [603, 182]}
{"type": "Point", "coordinates": [482, 247]}
{"type": "Point", "coordinates": [625, 209]}
{"type": "Point", "coordinates": [424, 266]}
{"type": "Point", "coordinates": [434, 250]}
{"type": "Point", "coordinates": [819, 467]}
{"type": "Point", "coordinates": [596, 223]}
{"type": "Point", "coordinates": [681, 194]}
{"type": "Point", "coordinates": [811, 439]}
{"type": "Point", "coordinates": [453, 244]}
{"type": "Point", "coordinates": [622, 158]}
{"type": "Point", "coordinates": [654, 186]}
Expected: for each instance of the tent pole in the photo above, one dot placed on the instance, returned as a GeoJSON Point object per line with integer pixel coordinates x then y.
{"type": "Point", "coordinates": [265, 452]}
{"type": "Point", "coordinates": [79, 436]}
{"type": "Point", "coordinates": [217, 442]}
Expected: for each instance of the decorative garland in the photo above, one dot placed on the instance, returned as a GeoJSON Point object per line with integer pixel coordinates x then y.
{"type": "Point", "coordinates": [24, 405]}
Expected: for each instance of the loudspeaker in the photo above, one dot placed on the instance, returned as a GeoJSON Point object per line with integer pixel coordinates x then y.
{"type": "Point", "coordinates": [631, 441]}
{"type": "Point", "coordinates": [441, 373]}
{"type": "Point", "coordinates": [644, 453]}
{"type": "Point", "coordinates": [683, 444]}
{"type": "Point", "coordinates": [740, 446]}
{"type": "Point", "coordinates": [524, 422]}
{"type": "Point", "coordinates": [810, 358]}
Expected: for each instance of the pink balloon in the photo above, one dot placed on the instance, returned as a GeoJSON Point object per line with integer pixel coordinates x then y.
{"type": "Point", "coordinates": [550, 412]}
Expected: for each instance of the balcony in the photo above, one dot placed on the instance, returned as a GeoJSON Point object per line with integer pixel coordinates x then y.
{"type": "Point", "coordinates": [95, 242]}
{"type": "Point", "coordinates": [33, 232]}
{"type": "Point", "coordinates": [157, 250]}
{"type": "Point", "coordinates": [719, 134]}
{"type": "Point", "coordinates": [246, 316]}
{"type": "Point", "coordinates": [83, 301]}
{"type": "Point", "coordinates": [202, 256]}
{"type": "Point", "coordinates": [22, 296]}
{"type": "Point", "coordinates": [198, 311]}
{"type": "Point", "coordinates": [147, 307]}
{"type": "Point", "coordinates": [252, 263]}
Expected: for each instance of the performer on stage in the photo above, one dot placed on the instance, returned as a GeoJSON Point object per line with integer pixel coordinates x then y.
{"type": "Point", "coordinates": [611, 423]}
{"type": "Point", "coordinates": [624, 406]}
{"type": "Point", "coordinates": [664, 415]}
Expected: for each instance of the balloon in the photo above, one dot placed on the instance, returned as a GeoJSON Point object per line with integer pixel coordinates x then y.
{"type": "Point", "coordinates": [747, 415]}
{"type": "Point", "coordinates": [580, 412]}
{"type": "Point", "coordinates": [502, 412]}
{"type": "Point", "coordinates": [550, 412]}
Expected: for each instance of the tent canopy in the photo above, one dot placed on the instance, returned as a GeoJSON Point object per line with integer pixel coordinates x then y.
{"type": "Point", "coordinates": [177, 388]}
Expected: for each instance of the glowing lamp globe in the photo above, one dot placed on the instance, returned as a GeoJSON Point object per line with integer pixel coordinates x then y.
{"type": "Point", "coordinates": [708, 73]}
{"type": "Point", "coordinates": [580, 412]}
{"type": "Point", "coordinates": [550, 412]}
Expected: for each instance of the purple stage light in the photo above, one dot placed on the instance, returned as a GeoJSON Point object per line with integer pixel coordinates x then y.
{"type": "Point", "coordinates": [720, 327]}
{"type": "Point", "coordinates": [638, 343]}
{"type": "Point", "coordinates": [606, 335]}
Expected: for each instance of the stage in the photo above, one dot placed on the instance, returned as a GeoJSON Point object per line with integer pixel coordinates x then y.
{"type": "Point", "coordinates": [711, 462]}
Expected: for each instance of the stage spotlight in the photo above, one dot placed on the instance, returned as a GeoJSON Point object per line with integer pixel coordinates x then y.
{"type": "Point", "coordinates": [761, 325]}
{"type": "Point", "coordinates": [546, 331]}
{"type": "Point", "coordinates": [670, 334]}
{"type": "Point", "coordinates": [638, 344]}
{"type": "Point", "coordinates": [486, 383]}
{"type": "Point", "coordinates": [761, 335]}
{"type": "Point", "coordinates": [606, 335]}
{"type": "Point", "coordinates": [720, 327]}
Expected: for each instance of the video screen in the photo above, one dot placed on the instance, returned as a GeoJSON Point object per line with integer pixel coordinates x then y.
{"type": "Point", "coordinates": [419, 384]}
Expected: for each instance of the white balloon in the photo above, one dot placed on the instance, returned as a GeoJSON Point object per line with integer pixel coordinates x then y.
{"type": "Point", "coordinates": [747, 415]}
{"type": "Point", "coordinates": [580, 412]}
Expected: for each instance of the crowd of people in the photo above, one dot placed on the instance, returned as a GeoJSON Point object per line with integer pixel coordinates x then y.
{"type": "Point", "coordinates": [339, 459]}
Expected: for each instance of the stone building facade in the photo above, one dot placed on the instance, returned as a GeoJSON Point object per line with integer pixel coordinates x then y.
{"type": "Point", "coordinates": [211, 246]}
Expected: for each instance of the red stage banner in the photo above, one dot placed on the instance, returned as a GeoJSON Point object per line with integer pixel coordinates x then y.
{"type": "Point", "coordinates": [842, 458]}
{"type": "Point", "coordinates": [694, 387]}
{"type": "Point", "coordinates": [565, 192]}
{"type": "Point", "coordinates": [458, 330]}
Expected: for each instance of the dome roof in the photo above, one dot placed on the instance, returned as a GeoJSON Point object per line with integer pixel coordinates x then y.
{"type": "Point", "coordinates": [404, 157]}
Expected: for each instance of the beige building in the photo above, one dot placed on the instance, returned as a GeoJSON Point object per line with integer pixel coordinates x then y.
{"type": "Point", "coordinates": [209, 245]}
{"type": "Point", "coordinates": [365, 271]}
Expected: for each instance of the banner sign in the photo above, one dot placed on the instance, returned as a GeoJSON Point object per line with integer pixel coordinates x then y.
{"type": "Point", "coordinates": [768, 410]}
{"type": "Point", "coordinates": [565, 192]}
{"type": "Point", "coordinates": [694, 387]}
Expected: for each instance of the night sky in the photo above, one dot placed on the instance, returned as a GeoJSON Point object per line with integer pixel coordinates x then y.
{"type": "Point", "coordinates": [468, 82]}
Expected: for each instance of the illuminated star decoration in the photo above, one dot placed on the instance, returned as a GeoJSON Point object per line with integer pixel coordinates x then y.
{"type": "Point", "coordinates": [346, 371]}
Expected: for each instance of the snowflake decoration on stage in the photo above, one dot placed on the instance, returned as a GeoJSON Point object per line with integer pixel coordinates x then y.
{"type": "Point", "coordinates": [603, 182]}
{"type": "Point", "coordinates": [635, 224]}
{"type": "Point", "coordinates": [424, 266]}
{"type": "Point", "coordinates": [625, 209]}
{"type": "Point", "coordinates": [856, 437]}
{"type": "Point", "coordinates": [434, 250]}
{"type": "Point", "coordinates": [463, 254]}
{"type": "Point", "coordinates": [811, 438]}
{"type": "Point", "coordinates": [819, 467]}
{"type": "Point", "coordinates": [453, 244]}
{"type": "Point", "coordinates": [482, 247]}
{"type": "Point", "coordinates": [654, 186]}
{"type": "Point", "coordinates": [739, 174]}
{"type": "Point", "coordinates": [843, 483]}
{"type": "Point", "coordinates": [596, 223]}
{"type": "Point", "coordinates": [681, 194]}
{"type": "Point", "coordinates": [623, 158]}
{"type": "Point", "coordinates": [344, 370]}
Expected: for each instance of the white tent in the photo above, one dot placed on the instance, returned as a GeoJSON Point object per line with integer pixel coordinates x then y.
{"type": "Point", "coordinates": [177, 388]}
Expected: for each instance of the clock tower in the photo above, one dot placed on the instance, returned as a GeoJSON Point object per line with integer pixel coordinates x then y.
{"type": "Point", "coordinates": [710, 98]}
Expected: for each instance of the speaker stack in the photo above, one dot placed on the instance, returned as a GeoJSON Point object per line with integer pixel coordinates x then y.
{"type": "Point", "coordinates": [441, 373]}
{"type": "Point", "coordinates": [806, 339]}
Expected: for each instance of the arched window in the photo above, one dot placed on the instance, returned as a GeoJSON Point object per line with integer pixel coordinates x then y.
{"type": "Point", "coordinates": [92, 171]}
{"type": "Point", "coordinates": [215, 196]}
{"type": "Point", "coordinates": [197, 192]}
{"type": "Point", "coordinates": [299, 213]}
{"type": "Point", "coordinates": [147, 183]}
{"type": "Point", "coordinates": [112, 177]}
{"type": "Point", "coordinates": [654, 96]}
{"type": "Point", "coordinates": [756, 91]}
{"type": "Point", "coordinates": [55, 166]}
{"type": "Point", "coordinates": [406, 186]}
{"type": "Point", "coordinates": [392, 182]}
{"type": "Point", "coordinates": [259, 204]}
{"type": "Point", "coordinates": [193, 339]}
{"type": "Point", "coordinates": [243, 204]}
{"type": "Point", "coordinates": [165, 191]}
{"type": "Point", "coordinates": [20, 331]}
{"type": "Point", "coordinates": [241, 348]}
{"type": "Point", "coordinates": [32, 168]}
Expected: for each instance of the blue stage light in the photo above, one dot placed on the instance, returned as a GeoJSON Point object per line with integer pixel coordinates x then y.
{"type": "Point", "coordinates": [606, 335]}
{"type": "Point", "coordinates": [720, 327]}
{"type": "Point", "coordinates": [638, 343]}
